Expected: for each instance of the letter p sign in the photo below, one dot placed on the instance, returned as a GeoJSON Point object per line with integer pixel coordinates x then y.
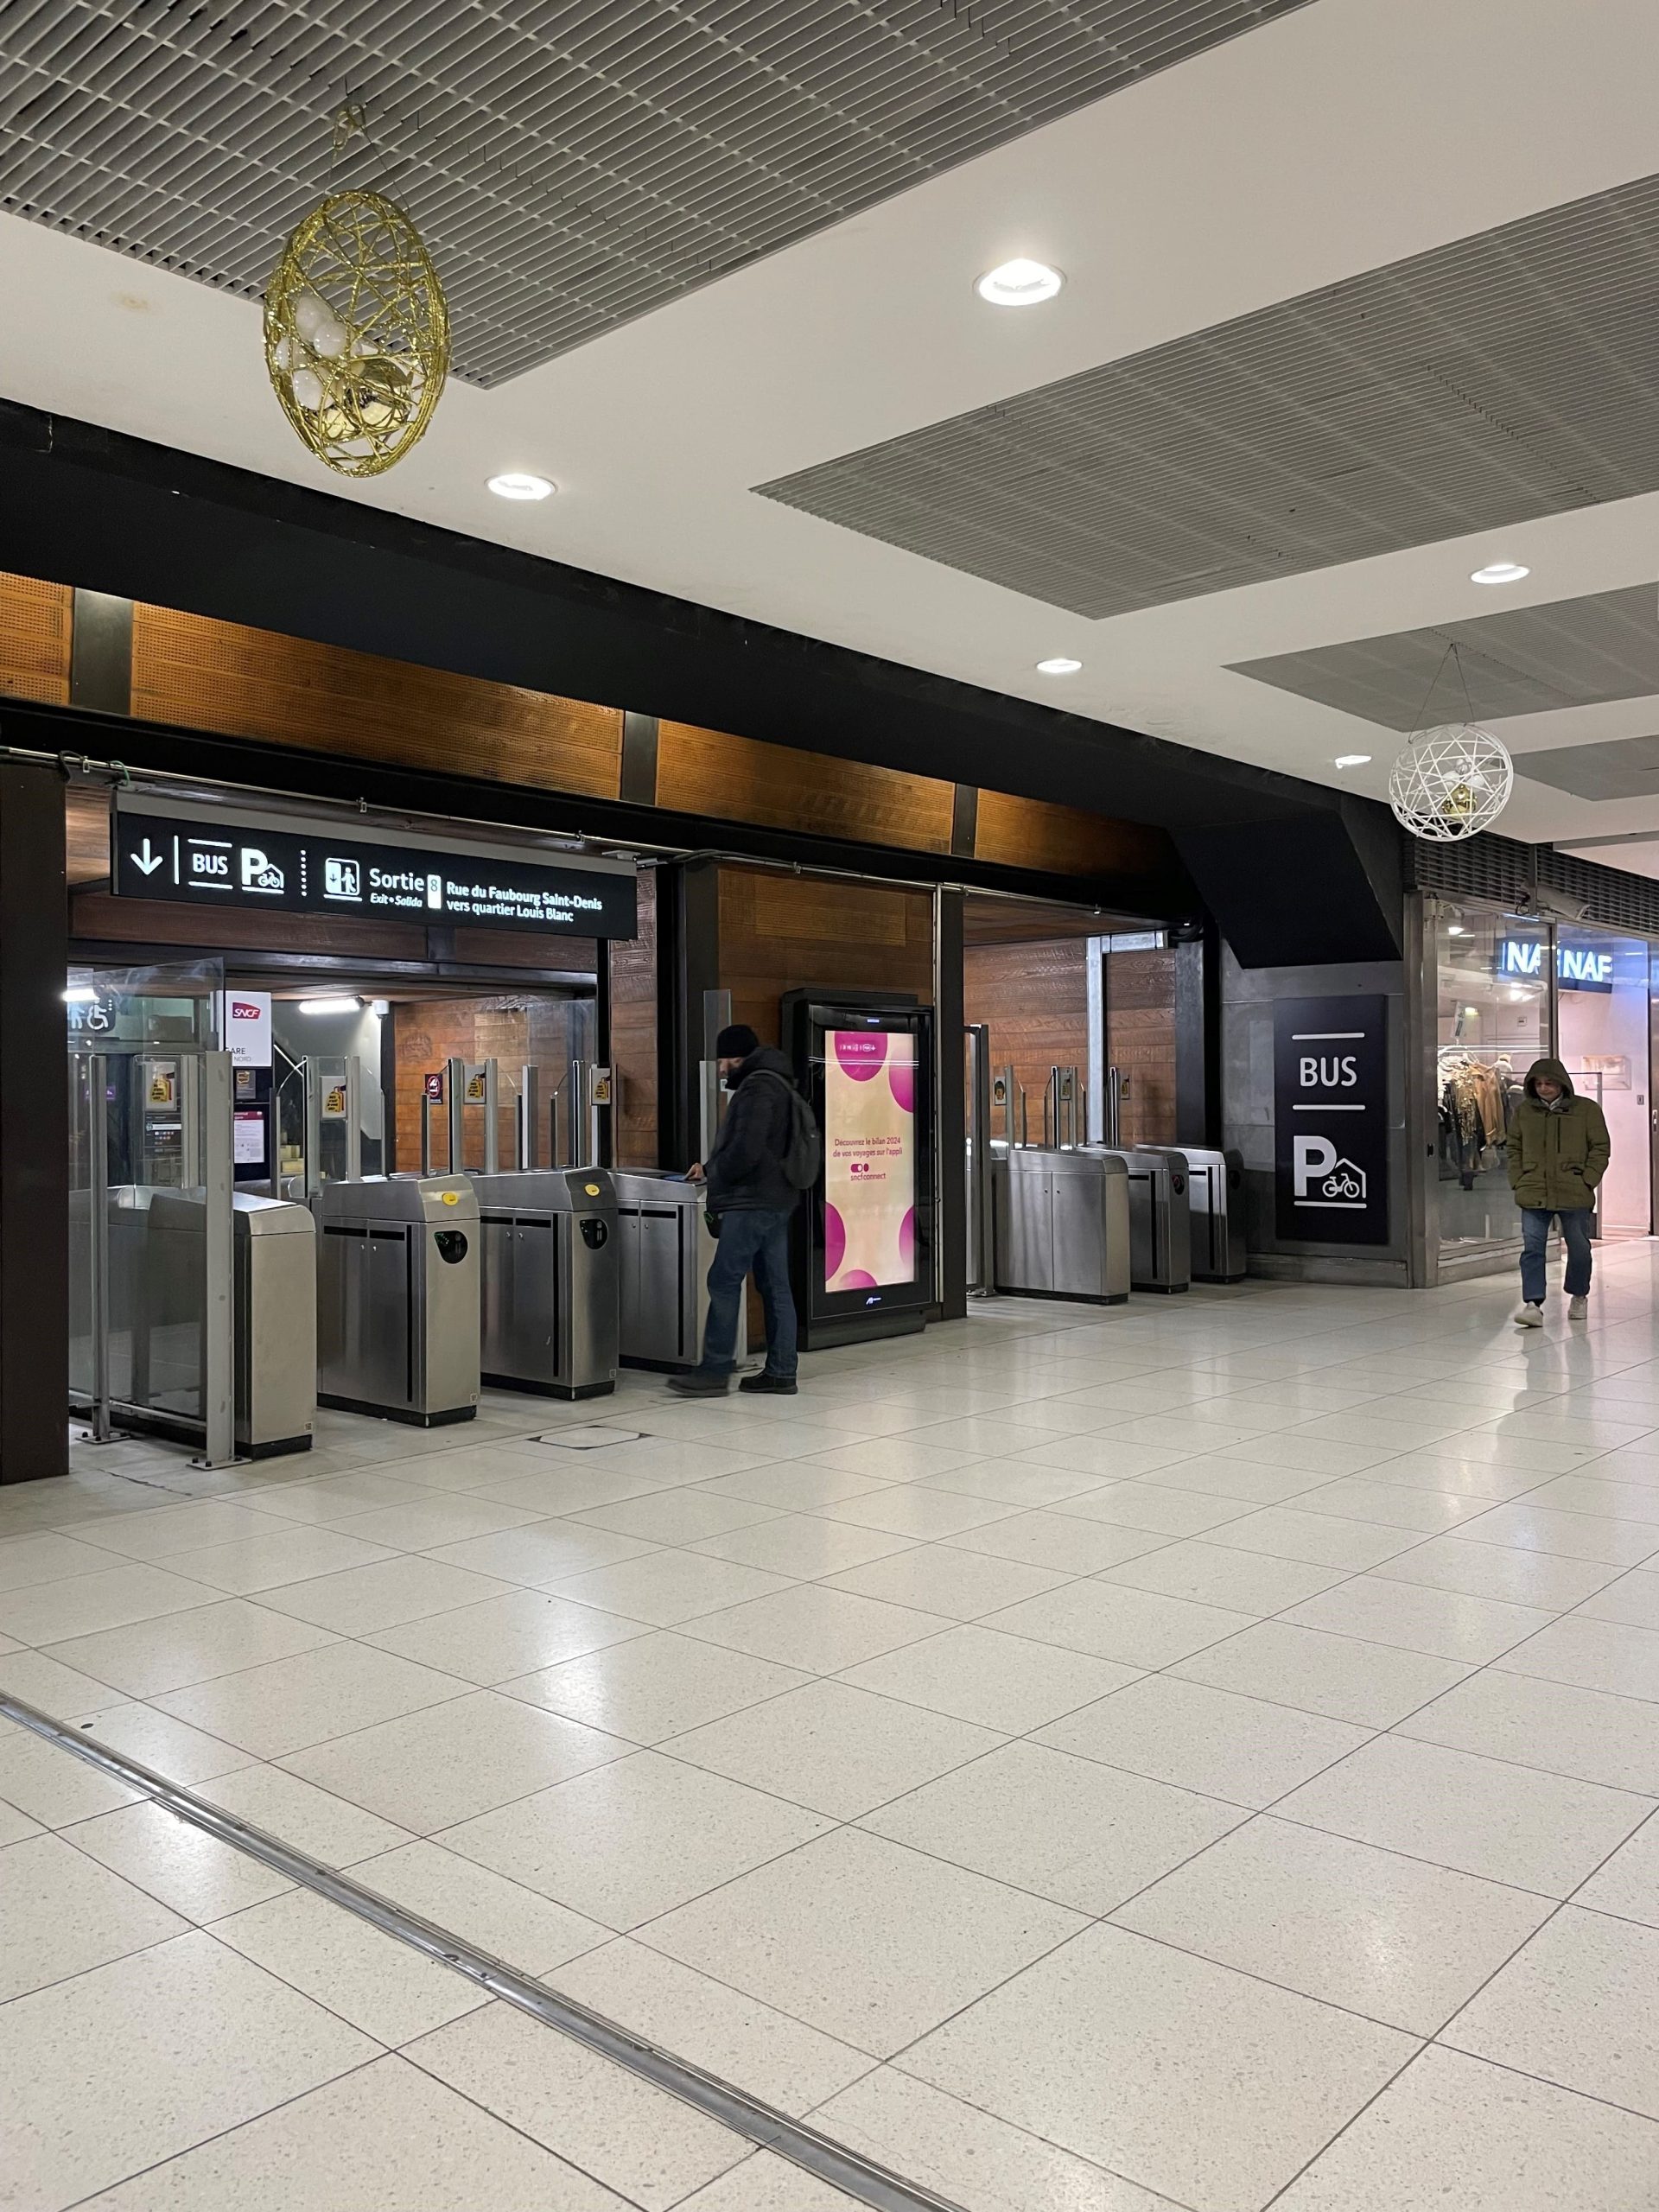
{"type": "Point", "coordinates": [1311, 1157]}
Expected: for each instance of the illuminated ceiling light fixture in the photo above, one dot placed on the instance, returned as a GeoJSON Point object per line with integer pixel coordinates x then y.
{"type": "Point", "coordinates": [1350, 760]}
{"type": "Point", "coordinates": [357, 330]}
{"type": "Point", "coordinates": [336, 1005]}
{"type": "Point", "coordinates": [1453, 781]}
{"type": "Point", "coordinates": [515, 485]}
{"type": "Point", "coordinates": [1019, 283]}
{"type": "Point", "coordinates": [1058, 666]}
{"type": "Point", "coordinates": [1500, 572]}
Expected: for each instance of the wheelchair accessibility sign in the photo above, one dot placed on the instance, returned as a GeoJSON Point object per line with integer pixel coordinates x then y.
{"type": "Point", "coordinates": [1330, 1115]}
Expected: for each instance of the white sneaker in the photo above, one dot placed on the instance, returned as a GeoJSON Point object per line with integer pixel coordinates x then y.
{"type": "Point", "coordinates": [1529, 1317]}
{"type": "Point", "coordinates": [1577, 1309]}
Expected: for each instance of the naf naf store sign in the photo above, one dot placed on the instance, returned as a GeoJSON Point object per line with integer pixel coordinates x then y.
{"type": "Point", "coordinates": [211, 859]}
{"type": "Point", "coordinates": [1578, 967]}
{"type": "Point", "coordinates": [1331, 1120]}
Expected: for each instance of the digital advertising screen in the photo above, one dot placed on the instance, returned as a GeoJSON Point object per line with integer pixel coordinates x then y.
{"type": "Point", "coordinates": [869, 1159]}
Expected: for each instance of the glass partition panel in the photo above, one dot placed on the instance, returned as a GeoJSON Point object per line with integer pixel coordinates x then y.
{"type": "Point", "coordinates": [1492, 1022]}
{"type": "Point", "coordinates": [1602, 1015]}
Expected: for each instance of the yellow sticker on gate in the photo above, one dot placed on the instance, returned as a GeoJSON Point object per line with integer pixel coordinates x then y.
{"type": "Point", "coordinates": [451, 1197]}
{"type": "Point", "coordinates": [592, 1189]}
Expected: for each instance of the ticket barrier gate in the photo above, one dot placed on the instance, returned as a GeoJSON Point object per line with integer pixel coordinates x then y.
{"type": "Point", "coordinates": [398, 1296]}
{"type": "Point", "coordinates": [549, 1269]}
{"type": "Point", "coordinates": [157, 1318]}
{"type": "Point", "coordinates": [665, 1247]}
{"type": "Point", "coordinates": [1161, 1233]}
{"type": "Point", "coordinates": [1215, 1194]}
{"type": "Point", "coordinates": [1063, 1223]}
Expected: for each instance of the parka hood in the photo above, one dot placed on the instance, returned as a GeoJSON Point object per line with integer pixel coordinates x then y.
{"type": "Point", "coordinates": [1551, 1071]}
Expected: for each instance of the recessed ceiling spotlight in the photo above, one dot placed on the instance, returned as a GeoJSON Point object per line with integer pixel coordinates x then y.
{"type": "Point", "coordinates": [1019, 284]}
{"type": "Point", "coordinates": [1350, 760]}
{"type": "Point", "coordinates": [1058, 666]}
{"type": "Point", "coordinates": [515, 485]}
{"type": "Point", "coordinates": [1500, 572]}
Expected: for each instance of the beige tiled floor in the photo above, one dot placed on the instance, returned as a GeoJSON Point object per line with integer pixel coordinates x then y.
{"type": "Point", "coordinates": [1191, 1759]}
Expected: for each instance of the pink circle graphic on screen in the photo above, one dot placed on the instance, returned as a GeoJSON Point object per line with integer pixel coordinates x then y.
{"type": "Point", "coordinates": [902, 1080]}
{"type": "Point", "coordinates": [857, 1279]}
{"type": "Point", "coordinates": [907, 1239]}
{"type": "Point", "coordinates": [860, 1053]}
{"type": "Point", "coordinates": [834, 1242]}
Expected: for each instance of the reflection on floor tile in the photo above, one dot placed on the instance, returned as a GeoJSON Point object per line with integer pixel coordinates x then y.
{"type": "Point", "coordinates": [1307, 1634]}
{"type": "Point", "coordinates": [1125, 2051]}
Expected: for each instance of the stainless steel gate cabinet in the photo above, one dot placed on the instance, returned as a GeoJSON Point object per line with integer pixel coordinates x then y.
{"type": "Point", "coordinates": [663, 1267]}
{"type": "Point", "coordinates": [398, 1296]}
{"type": "Point", "coordinates": [1216, 1189]}
{"type": "Point", "coordinates": [1161, 1227]}
{"type": "Point", "coordinates": [1062, 1223]}
{"type": "Point", "coordinates": [548, 1267]}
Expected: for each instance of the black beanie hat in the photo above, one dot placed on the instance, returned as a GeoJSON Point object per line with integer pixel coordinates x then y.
{"type": "Point", "coordinates": [736, 1042]}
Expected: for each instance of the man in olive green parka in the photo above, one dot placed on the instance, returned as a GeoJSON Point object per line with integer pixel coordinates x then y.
{"type": "Point", "coordinates": [1559, 1151]}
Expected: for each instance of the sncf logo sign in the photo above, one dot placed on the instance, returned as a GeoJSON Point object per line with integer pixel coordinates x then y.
{"type": "Point", "coordinates": [244, 1010]}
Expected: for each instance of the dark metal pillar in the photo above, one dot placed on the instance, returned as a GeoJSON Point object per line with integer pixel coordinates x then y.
{"type": "Point", "coordinates": [33, 1128]}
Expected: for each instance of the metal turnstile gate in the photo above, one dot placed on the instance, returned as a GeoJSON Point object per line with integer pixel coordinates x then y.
{"type": "Point", "coordinates": [549, 1272]}
{"type": "Point", "coordinates": [398, 1296]}
{"type": "Point", "coordinates": [1161, 1234]}
{"type": "Point", "coordinates": [1063, 1223]}
{"type": "Point", "coordinates": [1215, 1195]}
{"type": "Point", "coordinates": [664, 1251]}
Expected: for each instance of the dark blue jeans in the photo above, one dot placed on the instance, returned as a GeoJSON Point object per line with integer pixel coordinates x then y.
{"type": "Point", "coordinates": [1534, 1243]}
{"type": "Point", "coordinates": [757, 1238]}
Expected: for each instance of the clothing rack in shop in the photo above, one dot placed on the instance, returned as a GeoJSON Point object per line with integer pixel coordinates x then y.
{"type": "Point", "coordinates": [1477, 1098]}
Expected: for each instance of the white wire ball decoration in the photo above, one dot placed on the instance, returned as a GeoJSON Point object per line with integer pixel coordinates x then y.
{"type": "Point", "coordinates": [356, 332]}
{"type": "Point", "coordinates": [1451, 782]}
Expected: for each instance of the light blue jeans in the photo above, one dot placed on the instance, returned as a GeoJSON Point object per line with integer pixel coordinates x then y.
{"type": "Point", "coordinates": [1534, 1243]}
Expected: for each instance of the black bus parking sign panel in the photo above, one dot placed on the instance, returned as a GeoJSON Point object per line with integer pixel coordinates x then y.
{"type": "Point", "coordinates": [1331, 1120]}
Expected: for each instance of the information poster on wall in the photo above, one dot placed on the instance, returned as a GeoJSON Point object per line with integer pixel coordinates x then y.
{"type": "Point", "coordinates": [869, 1159]}
{"type": "Point", "coordinates": [1331, 1120]}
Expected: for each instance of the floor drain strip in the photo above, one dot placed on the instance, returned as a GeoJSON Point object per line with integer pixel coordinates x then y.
{"type": "Point", "coordinates": [862, 2179]}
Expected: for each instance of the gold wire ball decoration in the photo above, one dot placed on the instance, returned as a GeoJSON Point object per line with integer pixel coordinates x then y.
{"type": "Point", "coordinates": [356, 332]}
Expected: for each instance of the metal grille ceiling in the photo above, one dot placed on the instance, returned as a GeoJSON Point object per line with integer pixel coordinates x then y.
{"type": "Point", "coordinates": [1506, 376]}
{"type": "Point", "coordinates": [1621, 768]}
{"type": "Point", "coordinates": [1575, 653]}
{"type": "Point", "coordinates": [572, 163]}
{"type": "Point", "coordinates": [1512, 875]}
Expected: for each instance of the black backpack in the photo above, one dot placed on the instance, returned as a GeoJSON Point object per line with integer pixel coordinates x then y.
{"type": "Point", "coordinates": [802, 1154]}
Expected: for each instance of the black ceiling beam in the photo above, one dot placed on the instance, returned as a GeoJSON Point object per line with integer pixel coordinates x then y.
{"type": "Point", "coordinates": [83, 506]}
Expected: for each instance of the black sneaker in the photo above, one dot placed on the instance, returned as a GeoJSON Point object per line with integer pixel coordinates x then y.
{"type": "Point", "coordinates": [697, 1384]}
{"type": "Point", "coordinates": [769, 1386]}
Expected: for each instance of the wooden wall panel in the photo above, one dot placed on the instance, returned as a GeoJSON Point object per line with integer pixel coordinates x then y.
{"type": "Point", "coordinates": [86, 832]}
{"type": "Point", "coordinates": [740, 779]}
{"type": "Point", "coordinates": [96, 915]}
{"type": "Point", "coordinates": [782, 932]}
{"type": "Point", "coordinates": [1035, 997]}
{"type": "Point", "coordinates": [428, 1031]}
{"type": "Point", "coordinates": [256, 684]}
{"type": "Point", "coordinates": [1064, 841]}
{"type": "Point", "coordinates": [537, 949]}
{"type": "Point", "coordinates": [37, 623]}
{"type": "Point", "coordinates": [633, 1034]}
{"type": "Point", "coordinates": [1140, 1040]}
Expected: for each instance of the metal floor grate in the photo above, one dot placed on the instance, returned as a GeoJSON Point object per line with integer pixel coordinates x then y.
{"type": "Point", "coordinates": [572, 163]}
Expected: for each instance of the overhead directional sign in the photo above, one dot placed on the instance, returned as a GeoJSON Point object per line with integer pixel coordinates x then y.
{"type": "Point", "coordinates": [209, 860]}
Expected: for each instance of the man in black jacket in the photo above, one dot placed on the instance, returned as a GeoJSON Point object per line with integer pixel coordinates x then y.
{"type": "Point", "coordinates": [752, 1199]}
